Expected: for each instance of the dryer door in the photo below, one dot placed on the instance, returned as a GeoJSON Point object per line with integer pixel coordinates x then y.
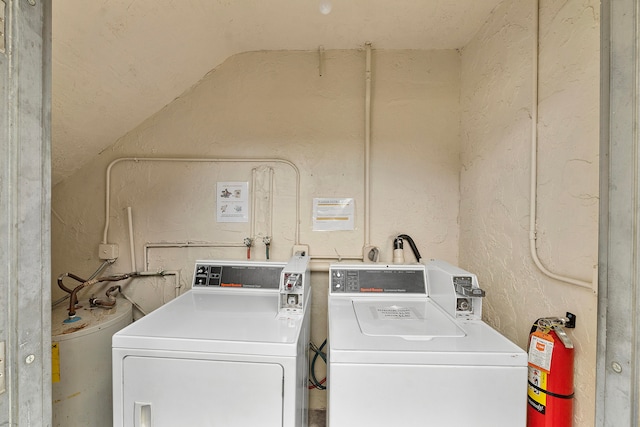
{"type": "Point", "coordinates": [193, 392]}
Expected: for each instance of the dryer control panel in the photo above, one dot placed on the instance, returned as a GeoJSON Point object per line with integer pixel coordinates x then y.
{"type": "Point", "coordinates": [237, 274]}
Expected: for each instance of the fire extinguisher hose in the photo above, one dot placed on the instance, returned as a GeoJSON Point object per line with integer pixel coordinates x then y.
{"type": "Point", "coordinates": [548, 393]}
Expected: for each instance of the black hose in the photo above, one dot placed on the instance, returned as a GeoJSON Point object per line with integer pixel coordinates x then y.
{"type": "Point", "coordinates": [414, 248]}
{"type": "Point", "coordinates": [319, 384]}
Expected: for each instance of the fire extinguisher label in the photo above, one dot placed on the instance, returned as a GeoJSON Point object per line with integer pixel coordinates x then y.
{"type": "Point", "coordinates": [540, 351]}
{"type": "Point", "coordinates": [537, 399]}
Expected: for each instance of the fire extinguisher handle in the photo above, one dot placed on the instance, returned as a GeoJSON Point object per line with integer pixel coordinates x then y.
{"type": "Point", "coordinates": [559, 330]}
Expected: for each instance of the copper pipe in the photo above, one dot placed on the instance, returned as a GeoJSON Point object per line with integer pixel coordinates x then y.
{"type": "Point", "coordinates": [73, 301]}
{"type": "Point", "coordinates": [111, 302]}
{"type": "Point", "coordinates": [73, 276]}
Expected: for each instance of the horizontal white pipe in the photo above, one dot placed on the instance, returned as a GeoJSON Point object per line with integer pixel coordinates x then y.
{"type": "Point", "coordinates": [148, 246]}
{"type": "Point", "coordinates": [320, 263]}
{"type": "Point", "coordinates": [336, 257]}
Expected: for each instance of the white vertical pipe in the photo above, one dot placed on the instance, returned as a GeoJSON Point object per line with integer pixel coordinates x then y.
{"type": "Point", "coordinates": [367, 147]}
{"type": "Point", "coordinates": [320, 60]}
{"type": "Point", "coordinates": [131, 245]}
{"type": "Point", "coordinates": [252, 190]}
{"type": "Point", "coordinates": [533, 205]}
{"type": "Point", "coordinates": [271, 195]}
{"type": "Point", "coordinates": [176, 275]}
{"type": "Point", "coordinates": [534, 136]}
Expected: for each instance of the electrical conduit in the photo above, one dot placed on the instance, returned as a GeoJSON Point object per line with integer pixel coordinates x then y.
{"type": "Point", "coordinates": [534, 165]}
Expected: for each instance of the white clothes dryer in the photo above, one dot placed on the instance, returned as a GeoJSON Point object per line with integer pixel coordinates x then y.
{"type": "Point", "coordinates": [399, 357]}
{"type": "Point", "coordinates": [218, 355]}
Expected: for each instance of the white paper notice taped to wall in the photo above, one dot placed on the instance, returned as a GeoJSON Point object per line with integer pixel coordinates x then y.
{"type": "Point", "coordinates": [232, 201]}
{"type": "Point", "coordinates": [333, 214]}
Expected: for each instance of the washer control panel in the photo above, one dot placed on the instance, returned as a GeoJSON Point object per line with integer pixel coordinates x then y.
{"type": "Point", "coordinates": [378, 279]}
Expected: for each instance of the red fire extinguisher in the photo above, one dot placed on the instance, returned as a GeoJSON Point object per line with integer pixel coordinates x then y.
{"type": "Point", "coordinates": [550, 392]}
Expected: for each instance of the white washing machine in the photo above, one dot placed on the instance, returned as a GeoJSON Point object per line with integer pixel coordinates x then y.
{"type": "Point", "coordinates": [219, 355]}
{"type": "Point", "coordinates": [407, 347]}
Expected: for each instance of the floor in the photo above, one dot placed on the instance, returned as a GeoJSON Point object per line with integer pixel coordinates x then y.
{"type": "Point", "coordinates": [317, 418]}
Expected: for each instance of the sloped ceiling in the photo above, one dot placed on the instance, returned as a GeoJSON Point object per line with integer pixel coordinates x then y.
{"type": "Point", "coordinates": [116, 62]}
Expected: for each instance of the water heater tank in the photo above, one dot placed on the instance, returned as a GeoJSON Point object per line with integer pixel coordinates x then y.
{"type": "Point", "coordinates": [81, 363]}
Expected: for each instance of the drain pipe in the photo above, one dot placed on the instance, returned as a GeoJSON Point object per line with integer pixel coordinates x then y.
{"type": "Point", "coordinates": [534, 165]}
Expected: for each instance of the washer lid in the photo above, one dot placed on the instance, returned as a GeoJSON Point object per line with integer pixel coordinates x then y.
{"type": "Point", "coordinates": [372, 331]}
{"type": "Point", "coordinates": [417, 319]}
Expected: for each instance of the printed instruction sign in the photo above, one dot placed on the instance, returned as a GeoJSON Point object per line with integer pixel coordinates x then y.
{"type": "Point", "coordinates": [395, 313]}
{"type": "Point", "coordinates": [333, 214]}
{"type": "Point", "coordinates": [540, 351]}
{"type": "Point", "coordinates": [232, 202]}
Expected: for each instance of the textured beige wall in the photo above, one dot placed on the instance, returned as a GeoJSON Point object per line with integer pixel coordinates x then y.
{"type": "Point", "coordinates": [275, 104]}
{"type": "Point", "coordinates": [496, 99]}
